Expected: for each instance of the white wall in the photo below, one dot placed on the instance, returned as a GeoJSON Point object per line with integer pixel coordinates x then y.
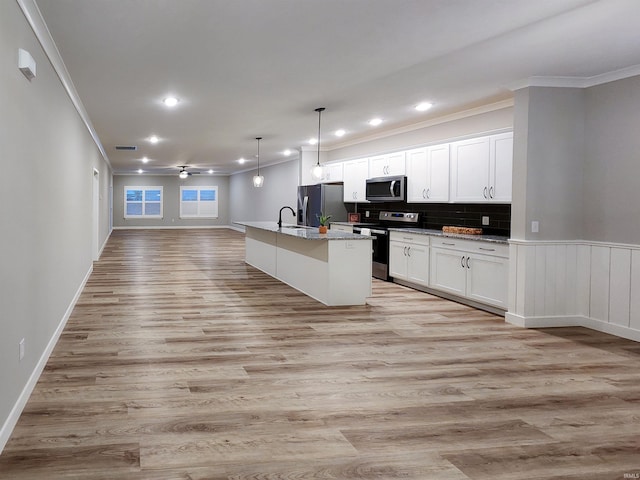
{"type": "Point", "coordinates": [171, 200]}
{"type": "Point", "coordinates": [47, 158]}
{"type": "Point", "coordinates": [548, 163]}
{"type": "Point", "coordinates": [263, 204]}
{"type": "Point", "coordinates": [612, 167]}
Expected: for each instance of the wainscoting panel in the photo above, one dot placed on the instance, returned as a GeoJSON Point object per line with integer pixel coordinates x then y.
{"type": "Point", "coordinates": [634, 310]}
{"type": "Point", "coordinates": [600, 274]}
{"type": "Point", "coordinates": [590, 284]}
{"type": "Point", "coordinates": [620, 286]}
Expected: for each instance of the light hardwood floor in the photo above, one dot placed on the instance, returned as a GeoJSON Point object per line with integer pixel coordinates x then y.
{"type": "Point", "coordinates": [181, 362]}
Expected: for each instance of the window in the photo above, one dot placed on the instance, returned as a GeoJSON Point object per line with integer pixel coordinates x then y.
{"type": "Point", "coordinates": [142, 202]}
{"type": "Point", "coordinates": [198, 202]}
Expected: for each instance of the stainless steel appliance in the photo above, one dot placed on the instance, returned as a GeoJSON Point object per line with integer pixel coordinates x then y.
{"type": "Point", "coordinates": [314, 200]}
{"type": "Point", "coordinates": [380, 233]}
{"type": "Point", "coordinates": [387, 189]}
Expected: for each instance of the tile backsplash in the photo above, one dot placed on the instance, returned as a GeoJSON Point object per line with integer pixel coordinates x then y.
{"type": "Point", "coordinates": [437, 215]}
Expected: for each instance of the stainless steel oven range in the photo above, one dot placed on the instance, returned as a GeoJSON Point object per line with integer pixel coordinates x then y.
{"type": "Point", "coordinates": [380, 233]}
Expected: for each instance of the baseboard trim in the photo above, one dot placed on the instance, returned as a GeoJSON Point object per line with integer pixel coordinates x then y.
{"type": "Point", "coordinates": [16, 411]}
{"type": "Point", "coordinates": [573, 321]}
{"type": "Point", "coordinates": [160, 227]}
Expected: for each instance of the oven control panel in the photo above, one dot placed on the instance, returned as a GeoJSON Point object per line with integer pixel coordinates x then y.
{"type": "Point", "coordinates": [399, 217]}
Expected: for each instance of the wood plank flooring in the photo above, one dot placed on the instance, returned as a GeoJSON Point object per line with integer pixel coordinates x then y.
{"type": "Point", "coordinates": [182, 362]}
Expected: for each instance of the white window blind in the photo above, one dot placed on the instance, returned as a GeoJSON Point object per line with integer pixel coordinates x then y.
{"type": "Point", "coordinates": [198, 202]}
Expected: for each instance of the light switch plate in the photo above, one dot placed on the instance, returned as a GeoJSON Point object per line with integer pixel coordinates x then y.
{"type": "Point", "coordinates": [535, 226]}
{"type": "Point", "coordinates": [485, 220]}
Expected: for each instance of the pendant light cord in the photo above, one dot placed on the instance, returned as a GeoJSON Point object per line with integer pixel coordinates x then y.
{"type": "Point", "coordinates": [258, 139]}
{"type": "Point", "coordinates": [319, 110]}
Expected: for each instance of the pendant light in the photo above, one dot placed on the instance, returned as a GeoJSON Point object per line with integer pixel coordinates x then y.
{"type": "Point", "coordinates": [316, 171]}
{"type": "Point", "coordinates": [258, 180]}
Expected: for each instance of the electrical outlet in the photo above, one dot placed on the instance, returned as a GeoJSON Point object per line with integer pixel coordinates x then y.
{"type": "Point", "coordinates": [535, 226]}
{"type": "Point", "coordinates": [21, 349]}
{"type": "Point", "coordinates": [485, 220]}
{"type": "Point", "coordinates": [366, 214]}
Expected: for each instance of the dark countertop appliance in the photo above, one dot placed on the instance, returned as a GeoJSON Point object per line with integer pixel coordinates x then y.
{"type": "Point", "coordinates": [326, 199]}
{"type": "Point", "coordinates": [380, 233]}
{"type": "Point", "coordinates": [386, 189]}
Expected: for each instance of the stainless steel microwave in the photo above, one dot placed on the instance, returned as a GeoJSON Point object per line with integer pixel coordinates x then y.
{"type": "Point", "coordinates": [387, 189]}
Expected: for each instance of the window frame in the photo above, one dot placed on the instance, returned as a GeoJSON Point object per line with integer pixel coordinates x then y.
{"type": "Point", "coordinates": [144, 201]}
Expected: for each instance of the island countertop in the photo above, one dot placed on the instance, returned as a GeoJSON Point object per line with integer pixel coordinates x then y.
{"type": "Point", "coordinates": [301, 231]}
{"type": "Point", "coordinates": [332, 267]}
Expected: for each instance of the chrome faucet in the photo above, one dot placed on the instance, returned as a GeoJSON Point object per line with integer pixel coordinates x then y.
{"type": "Point", "coordinates": [280, 215]}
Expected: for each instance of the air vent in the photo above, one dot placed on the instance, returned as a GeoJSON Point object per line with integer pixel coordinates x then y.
{"type": "Point", "coordinates": [127, 147]}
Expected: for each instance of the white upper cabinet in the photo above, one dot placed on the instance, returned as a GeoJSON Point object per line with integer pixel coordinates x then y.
{"type": "Point", "coordinates": [470, 170]}
{"type": "Point", "coordinates": [428, 174]}
{"type": "Point", "coordinates": [331, 172]}
{"type": "Point", "coordinates": [355, 174]}
{"type": "Point", "coordinates": [387, 165]}
{"type": "Point", "coordinates": [501, 167]}
{"type": "Point", "coordinates": [481, 169]}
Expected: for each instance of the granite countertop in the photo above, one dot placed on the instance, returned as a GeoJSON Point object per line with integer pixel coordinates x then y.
{"type": "Point", "coordinates": [440, 233]}
{"type": "Point", "coordinates": [305, 233]}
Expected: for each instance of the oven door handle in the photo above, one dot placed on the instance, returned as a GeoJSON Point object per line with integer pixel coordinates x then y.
{"type": "Point", "coordinates": [378, 232]}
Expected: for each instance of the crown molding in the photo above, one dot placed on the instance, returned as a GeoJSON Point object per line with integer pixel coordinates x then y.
{"type": "Point", "coordinates": [427, 123]}
{"type": "Point", "coordinates": [33, 16]}
{"type": "Point", "coordinates": [576, 82]}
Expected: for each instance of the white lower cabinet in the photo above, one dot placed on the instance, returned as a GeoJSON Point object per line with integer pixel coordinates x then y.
{"type": "Point", "coordinates": [409, 257]}
{"type": "Point", "coordinates": [475, 270]}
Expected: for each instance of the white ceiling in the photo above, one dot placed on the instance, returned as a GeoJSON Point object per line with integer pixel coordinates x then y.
{"type": "Point", "coordinates": [247, 68]}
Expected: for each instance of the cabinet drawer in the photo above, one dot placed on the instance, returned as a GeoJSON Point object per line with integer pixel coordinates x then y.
{"type": "Point", "coordinates": [414, 238]}
{"type": "Point", "coordinates": [342, 228]}
{"type": "Point", "coordinates": [472, 246]}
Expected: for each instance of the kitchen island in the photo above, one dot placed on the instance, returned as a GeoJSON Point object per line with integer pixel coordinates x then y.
{"type": "Point", "coordinates": [334, 267]}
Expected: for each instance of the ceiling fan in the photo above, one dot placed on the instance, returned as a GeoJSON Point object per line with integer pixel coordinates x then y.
{"type": "Point", "coordinates": [183, 172]}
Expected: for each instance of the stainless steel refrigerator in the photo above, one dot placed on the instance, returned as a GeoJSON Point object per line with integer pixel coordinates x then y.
{"type": "Point", "coordinates": [322, 198]}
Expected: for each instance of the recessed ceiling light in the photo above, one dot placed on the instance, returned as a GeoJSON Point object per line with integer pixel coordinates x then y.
{"type": "Point", "coordinates": [340, 132]}
{"type": "Point", "coordinates": [210, 171]}
{"type": "Point", "coordinates": [170, 101]}
{"type": "Point", "coordinates": [145, 159]}
{"type": "Point", "coordinates": [140, 170]}
{"type": "Point", "coordinates": [287, 152]}
{"type": "Point", "coordinates": [374, 122]}
{"type": "Point", "coordinates": [241, 161]}
{"type": "Point", "coordinates": [313, 141]}
{"type": "Point", "coordinates": [153, 139]}
{"type": "Point", "coordinates": [424, 106]}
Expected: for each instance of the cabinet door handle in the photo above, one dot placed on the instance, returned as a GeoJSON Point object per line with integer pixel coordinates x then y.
{"type": "Point", "coordinates": [487, 249]}
{"type": "Point", "coordinates": [404, 251]}
{"type": "Point", "coordinates": [484, 192]}
{"type": "Point", "coordinates": [428, 192]}
{"type": "Point", "coordinates": [468, 258]}
{"type": "Point", "coordinates": [450, 244]}
{"type": "Point", "coordinates": [462, 261]}
{"type": "Point", "coordinates": [424, 193]}
{"type": "Point", "coordinates": [408, 251]}
{"type": "Point", "coordinates": [491, 192]}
